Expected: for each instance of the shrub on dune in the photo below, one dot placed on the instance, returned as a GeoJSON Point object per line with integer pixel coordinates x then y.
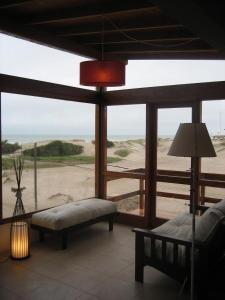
{"type": "Point", "coordinates": [55, 148]}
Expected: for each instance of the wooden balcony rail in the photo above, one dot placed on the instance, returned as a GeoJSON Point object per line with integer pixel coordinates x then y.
{"type": "Point", "coordinates": [169, 176]}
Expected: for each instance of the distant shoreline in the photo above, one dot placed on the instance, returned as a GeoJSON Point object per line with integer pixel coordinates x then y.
{"type": "Point", "coordinates": [27, 138]}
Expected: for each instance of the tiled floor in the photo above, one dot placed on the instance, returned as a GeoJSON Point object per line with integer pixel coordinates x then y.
{"type": "Point", "coordinates": [97, 265]}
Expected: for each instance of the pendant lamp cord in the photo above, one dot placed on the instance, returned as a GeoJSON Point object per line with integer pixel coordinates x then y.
{"type": "Point", "coordinates": [103, 37]}
{"type": "Point", "coordinates": [129, 37]}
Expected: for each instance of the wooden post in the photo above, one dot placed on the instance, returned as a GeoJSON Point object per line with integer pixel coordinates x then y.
{"type": "Point", "coordinates": [35, 177]}
{"type": "Point", "coordinates": [202, 195]}
{"type": "Point", "coordinates": [196, 162]}
{"type": "Point", "coordinates": [139, 257]}
{"type": "Point", "coordinates": [141, 198]}
{"type": "Point", "coordinates": [150, 165]}
{"type": "Point", "coordinates": [1, 202]}
{"type": "Point", "coordinates": [100, 148]}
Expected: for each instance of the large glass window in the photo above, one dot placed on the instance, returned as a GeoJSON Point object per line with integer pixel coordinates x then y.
{"type": "Point", "coordinates": [126, 154]}
{"type": "Point", "coordinates": [172, 198]}
{"type": "Point", "coordinates": [26, 59]}
{"type": "Point", "coordinates": [213, 114]}
{"type": "Point", "coordinates": [56, 140]}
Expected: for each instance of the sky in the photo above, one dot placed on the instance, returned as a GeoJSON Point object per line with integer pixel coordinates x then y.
{"type": "Point", "coordinates": [33, 115]}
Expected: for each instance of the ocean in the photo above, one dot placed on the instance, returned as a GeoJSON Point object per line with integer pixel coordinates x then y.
{"type": "Point", "coordinates": [28, 138]}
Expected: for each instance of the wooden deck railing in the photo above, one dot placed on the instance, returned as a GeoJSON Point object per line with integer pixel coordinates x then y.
{"type": "Point", "coordinates": [168, 176]}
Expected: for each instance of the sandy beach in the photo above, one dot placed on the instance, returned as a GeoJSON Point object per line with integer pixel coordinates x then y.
{"type": "Point", "coordinates": [62, 182]}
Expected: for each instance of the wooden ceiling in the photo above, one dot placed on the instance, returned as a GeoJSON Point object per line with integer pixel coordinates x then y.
{"type": "Point", "coordinates": [133, 29]}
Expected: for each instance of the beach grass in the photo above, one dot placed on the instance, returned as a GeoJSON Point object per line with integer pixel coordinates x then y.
{"type": "Point", "coordinates": [137, 141]}
{"type": "Point", "coordinates": [55, 161]}
{"type": "Point", "coordinates": [122, 152]}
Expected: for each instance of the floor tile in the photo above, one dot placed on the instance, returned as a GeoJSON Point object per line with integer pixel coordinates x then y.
{"type": "Point", "coordinates": [53, 290]}
{"type": "Point", "coordinates": [98, 265]}
{"type": "Point", "coordinates": [6, 294]}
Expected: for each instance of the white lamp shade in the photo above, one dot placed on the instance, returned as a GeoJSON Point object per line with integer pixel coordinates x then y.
{"type": "Point", "coordinates": [192, 140]}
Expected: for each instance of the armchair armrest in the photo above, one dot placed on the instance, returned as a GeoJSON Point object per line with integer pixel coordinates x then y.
{"type": "Point", "coordinates": [165, 237]}
{"type": "Point", "coordinates": [202, 208]}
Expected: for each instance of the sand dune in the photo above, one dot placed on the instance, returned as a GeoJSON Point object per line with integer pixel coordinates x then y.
{"type": "Point", "coordinates": [62, 184]}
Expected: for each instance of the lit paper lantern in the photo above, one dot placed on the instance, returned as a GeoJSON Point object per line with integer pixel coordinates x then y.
{"type": "Point", "coordinates": [102, 73]}
{"type": "Point", "coordinates": [19, 240]}
{"type": "Point", "coordinates": [19, 233]}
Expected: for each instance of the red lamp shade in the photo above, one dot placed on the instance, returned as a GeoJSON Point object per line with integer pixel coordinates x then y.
{"type": "Point", "coordinates": [102, 73]}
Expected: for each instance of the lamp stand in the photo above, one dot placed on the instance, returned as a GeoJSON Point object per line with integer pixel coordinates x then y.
{"type": "Point", "coordinates": [193, 208]}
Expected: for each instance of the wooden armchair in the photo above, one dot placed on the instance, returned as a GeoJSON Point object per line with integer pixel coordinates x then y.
{"type": "Point", "coordinates": [174, 270]}
{"type": "Point", "coordinates": [178, 265]}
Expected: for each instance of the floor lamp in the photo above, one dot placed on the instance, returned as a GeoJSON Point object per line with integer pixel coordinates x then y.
{"type": "Point", "coordinates": [192, 140]}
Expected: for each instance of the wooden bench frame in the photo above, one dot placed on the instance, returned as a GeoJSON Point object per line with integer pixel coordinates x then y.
{"type": "Point", "coordinates": [63, 233]}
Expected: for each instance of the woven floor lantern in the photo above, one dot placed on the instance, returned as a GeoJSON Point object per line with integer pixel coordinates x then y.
{"type": "Point", "coordinates": [19, 233]}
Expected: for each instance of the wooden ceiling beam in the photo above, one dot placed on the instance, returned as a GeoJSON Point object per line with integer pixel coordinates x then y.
{"type": "Point", "coordinates": [193, 18]}
{"type": "Point", "coordinates": [139, 35]}
{"type": "Point", "coordinates": [12, 3]}
{"type": "Point", "coordinates": [161, 51]}
{"type": "Point", "coordinates": [153, 41]}
{"type": "Point", "coordinates": [42, 37]}
{"type": "Point", "coordinates": [167, 94]}
{"type": "Point", "coordinates": [189, 45]}
{"type": "Point", "coordinates": [200, 55]}
{"type": "Point", "coordinates": [36, 88]}
{"type": "Point", "coordinates": [90, 12]}
{"type": "Point", "coordinates": [76, 31]}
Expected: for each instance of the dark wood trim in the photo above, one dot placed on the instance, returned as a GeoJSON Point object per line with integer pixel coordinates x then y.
{"type": "Point", "coordinates": [198, 54]}
{"type": "Point", "coordinates": [43, 37]}
{"type": "Point", "coordinates": [12, 3]}
{"type": "Point", "coordinates": [196, 162]}
{"type": "Point", "coordinates": [81, 14]}
{"type": "Point", "coordinates": [182, 93]}
{"type": "Point", "coordinates": [25, 216]}
{"type": "Point", "coordinates": [131, 220]}
{"type": "Point", "coordinates": [31, 87]}
{"type": "Point", "coordinates": [160, 221]}
{"type": "Point", "coordinates": [72, 31]}
{"type": "Point", "coordinates": [176, 104]}
{"type": "Point", "coordinates": [193, 17]}
{"type": "Point", "coordinates": [97, 152]}
{"type": "Point", "coordinates": [154, 40]}
{"type": "Point", "coordinates": [191, 46]}
{"type": "Point", "coordinates": [113, 175]}
{"type": "Point", "coordinates": [173, 195]}
{"type": "Point", "coordinates": [101, 149]}
{"type": "Point", "coordinates": [150, 165]}
{"type": "Point", "coordinates": [124, 196]}
{"type": "Point", "coordinates": [1, 196]}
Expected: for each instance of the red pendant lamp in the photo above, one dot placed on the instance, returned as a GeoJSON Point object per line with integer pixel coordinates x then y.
{"type": "Point", "coordinates": [102, 73]}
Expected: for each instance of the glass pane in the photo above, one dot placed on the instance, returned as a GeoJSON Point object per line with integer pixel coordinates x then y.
{"type": "Point", "coordinates": [213, 114]}
{"type": "Point", "coordinates": [171, 197]}
{"type": "Point", "coordinates": [126, 154]}
{"type": "Point", "coordinates": [55, 138]}
{"type": "Point", "coordinates": [26, 59]}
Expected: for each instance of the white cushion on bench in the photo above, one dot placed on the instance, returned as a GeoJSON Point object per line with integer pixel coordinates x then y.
{"type": "Point", "coordinates": [73, 213]}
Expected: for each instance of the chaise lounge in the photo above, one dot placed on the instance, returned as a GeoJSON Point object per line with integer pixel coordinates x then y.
{"type": "Point", "coordinates": [73, 216]}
